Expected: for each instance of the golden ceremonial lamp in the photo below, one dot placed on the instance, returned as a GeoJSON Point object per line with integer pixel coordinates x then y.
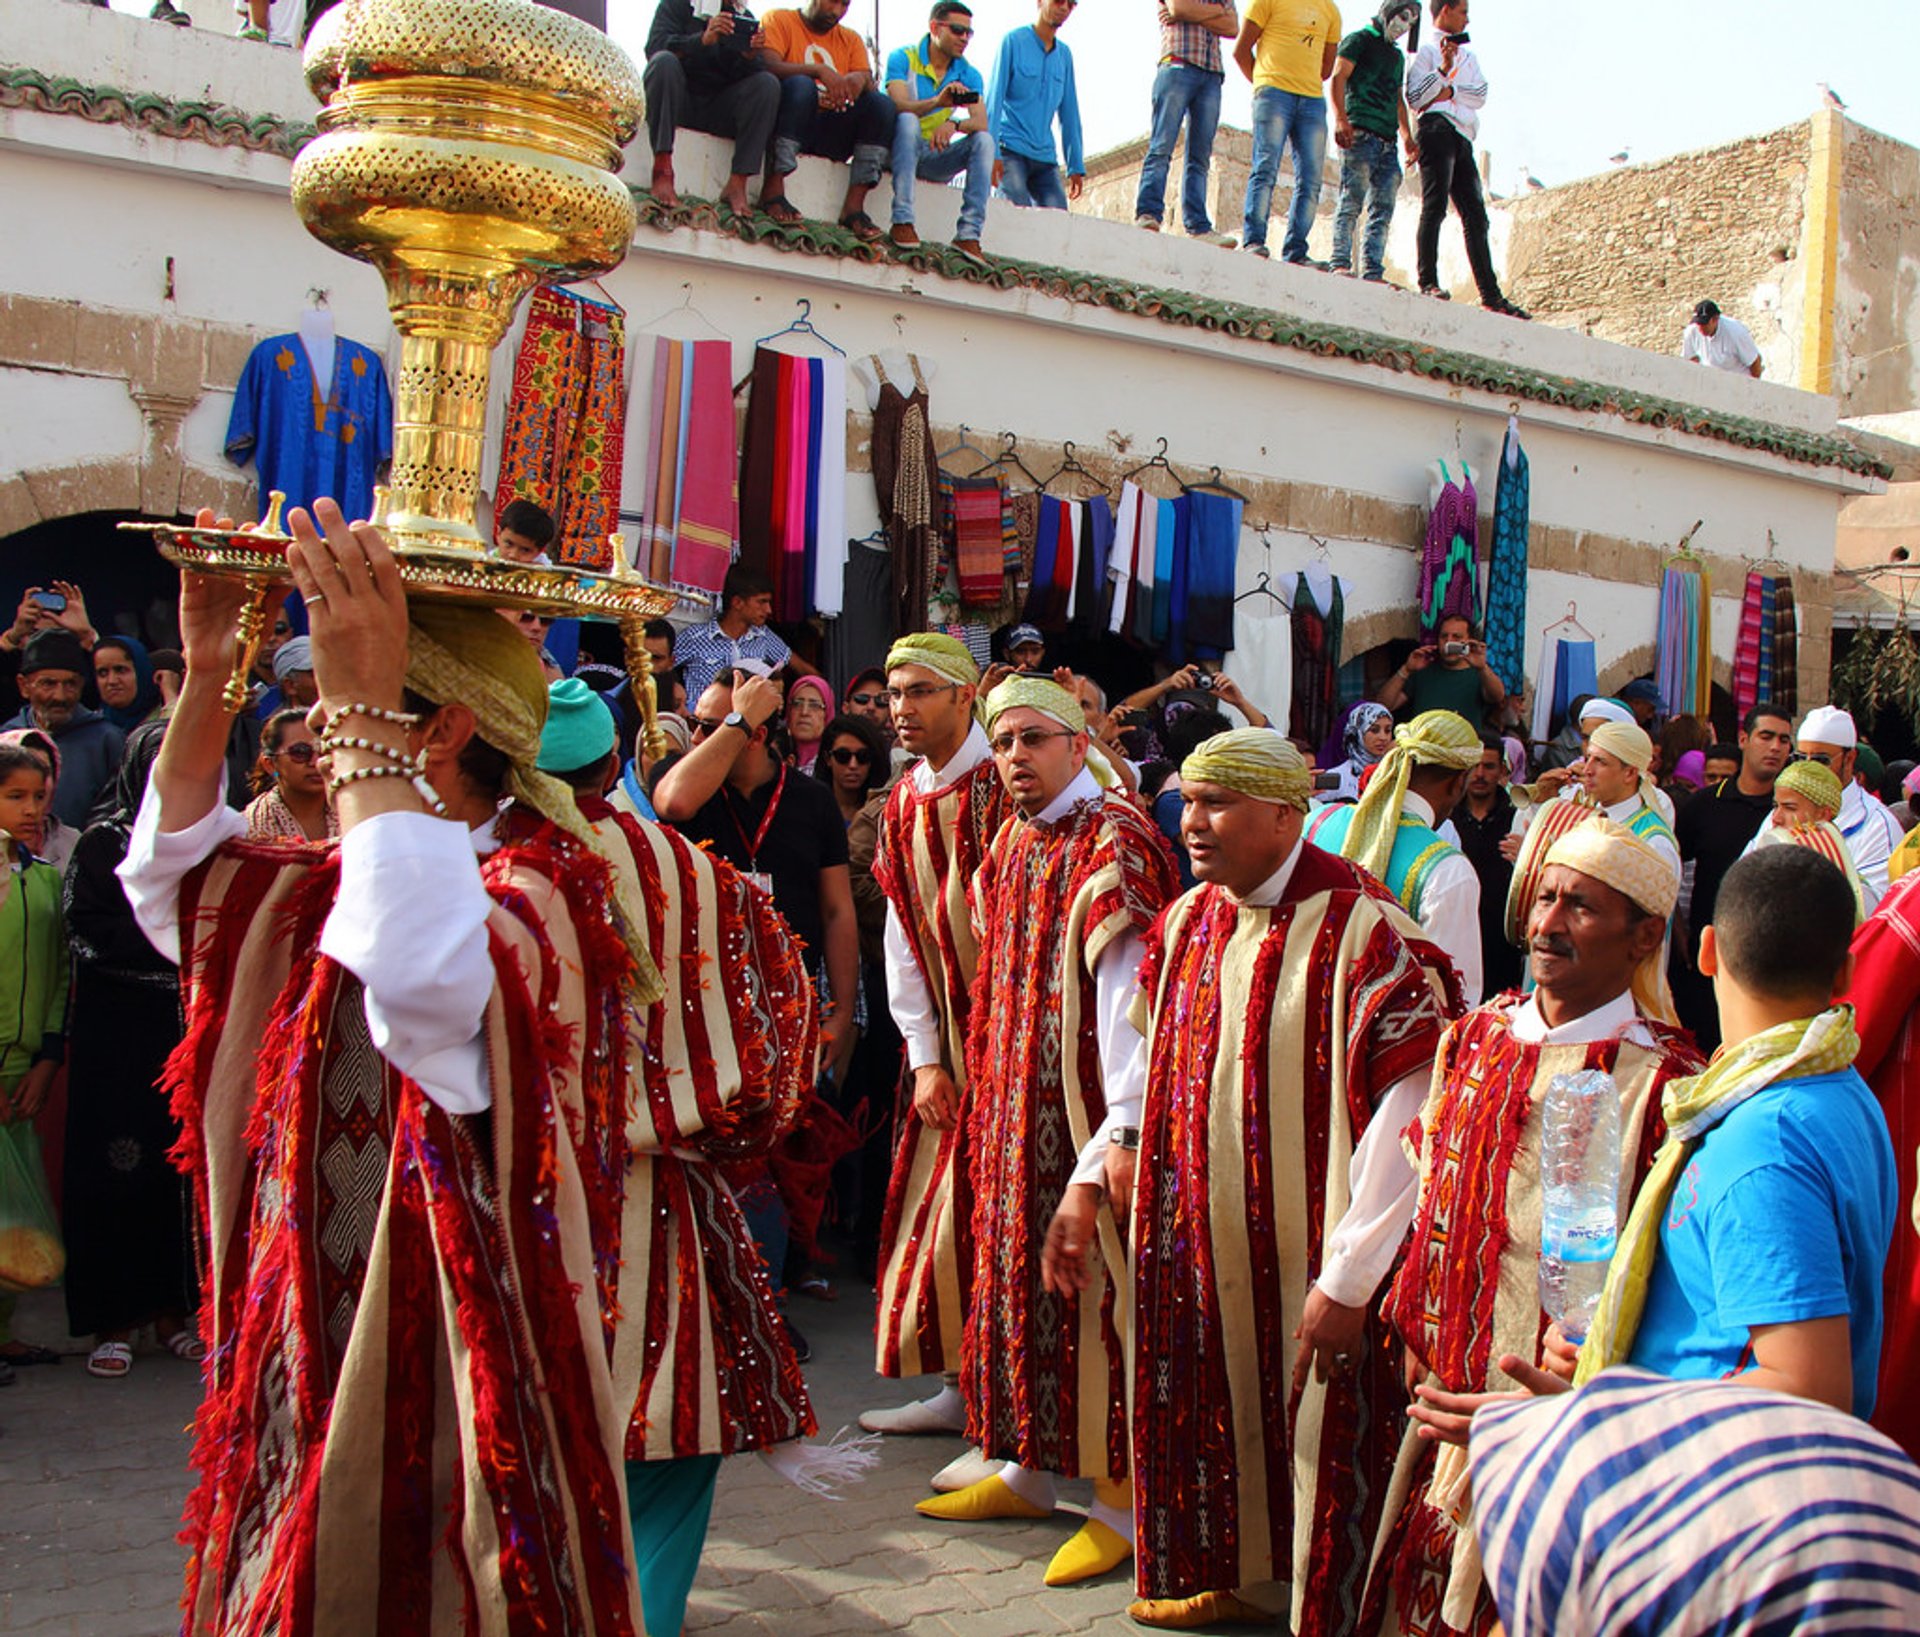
{"type": "Point", "coordinates": [466, 149]}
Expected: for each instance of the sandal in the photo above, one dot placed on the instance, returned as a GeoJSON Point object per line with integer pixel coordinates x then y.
{"type": "Point", "coordinates": [817, 1288]}
{"type": "Point", "coordinates": [21, 1353]}
{"type": "Point", "coordinates": [862, 226]}
{"type": "Point", "coordinates": [185, 1344]}
{"type": "Point", "coordinates": [782, 210]}
{"type": "Point", "coordinates": [110, 1360]}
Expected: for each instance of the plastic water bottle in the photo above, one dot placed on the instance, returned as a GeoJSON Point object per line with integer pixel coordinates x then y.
{"type": "Point", "coordinates": [1580, 1189]}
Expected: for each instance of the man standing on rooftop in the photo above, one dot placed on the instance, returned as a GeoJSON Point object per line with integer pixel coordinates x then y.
{"type": "Point", "coordinates": [1286, 47]}
{"type": "Point", "coordinates": [1032, 87]}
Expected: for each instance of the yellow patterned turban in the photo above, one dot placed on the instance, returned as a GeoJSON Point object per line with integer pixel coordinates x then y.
{"type": "Point", "coordinates": [944, 655]}
{"type": "Point", "coordinates": [1043, 694]}
{"type": "Point", "coordinates": [1256, 762]}
{"type": "Point", "coordinates": [1627, 743]}
{"type": "Point", "coordinates": [1614, 856]}
{"type": "Point", "coordinates": [1431, 739]}
{"type": "Point", "coordinates": [472, 657]}
{"type": "Point", "coordinates": [1815, 781]}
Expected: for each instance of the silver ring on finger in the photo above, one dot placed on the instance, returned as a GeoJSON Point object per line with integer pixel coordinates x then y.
{"type": "Point", "coordinates": [317, 597]}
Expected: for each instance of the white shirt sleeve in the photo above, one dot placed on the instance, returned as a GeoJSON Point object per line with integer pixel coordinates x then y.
{"type": "Point", "coordinates": [909, 999]}
{"type": "Point", "coordinates": [1450, 916]}
{"type": "Point", "coordinates": [410, 922]}
{"type": "Point", "coordinates": [158, 860]}
{"type": "Point", "coordinates": [1745, 348]}
{"type": "Point", "coordinates": [1691, 343]}
{"type": "Point", "coordinates": [1872, 847]}
{"type": "Point", "coordinates": [1123, 1050]}
{"type": "Point", "coordinates": [1385, 1187]}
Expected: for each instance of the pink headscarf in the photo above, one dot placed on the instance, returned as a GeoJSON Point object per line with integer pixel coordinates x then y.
{"type": "Point", "coordinates": [1516, 759]}
{"type": "Point", "coordinates": [804, 755]}
{"type": "Point", "coordinates": [1691, 769]}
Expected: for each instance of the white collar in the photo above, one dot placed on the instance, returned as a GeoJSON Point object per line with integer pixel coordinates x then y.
{"type": "Point", "coordinates": [1271, 890]}
{"type": "Point", "coordinates": [1083, 786]}
{"type": "Point", "coordinates": [486, 836]}
{"type": "Point", "coordinates": [1621, 811]}
{"type": "Point", "coordinates": [973, 750]}
{"type": "Point", "coordinates": [1417, 807]}
{"type": "Point", "coordinates": [1602, 1023]}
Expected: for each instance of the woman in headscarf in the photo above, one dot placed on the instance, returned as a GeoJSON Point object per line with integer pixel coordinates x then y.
{"type": "Point", "coordinates": [129, 1256]}
{"type": "Point", "coordinates": [808, 710]}
{"type": "Point", "coordinates": [1368, 736]}
{"type": "Point", "coordinates": [55, 843]}
{"type": "Point", "coordinates": [123, 674]}
{"type": "Point", "coordinates": [289, 790]}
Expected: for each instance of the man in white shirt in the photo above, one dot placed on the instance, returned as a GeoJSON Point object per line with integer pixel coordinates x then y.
{"type": "Point", "coordinates": [1827, 735]}
{"type": "Point", "coordinates": [1720, 342]}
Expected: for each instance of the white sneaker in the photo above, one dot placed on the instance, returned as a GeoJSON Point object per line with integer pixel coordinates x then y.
{"type": "Point", "coordinates": [1150, 223]}
{"type": "Point", "coordinates": [965, 1472]}
{"type": "Point", "coordinates": [1226, 241]}
{"type": "Point", "coordinates": [916, 1420]}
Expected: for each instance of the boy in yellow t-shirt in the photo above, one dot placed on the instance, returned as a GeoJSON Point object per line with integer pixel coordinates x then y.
{"type": "Point", "coordinates": [1287, 48]}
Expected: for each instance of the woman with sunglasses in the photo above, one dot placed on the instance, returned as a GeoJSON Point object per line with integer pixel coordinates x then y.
{"type": "Point", "coordinates": [290, 792]}
{"type": "Point", "coordinates": [853, 762]}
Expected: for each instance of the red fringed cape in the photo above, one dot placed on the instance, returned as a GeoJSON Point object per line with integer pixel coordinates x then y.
{"type": "Point", "coordinates": [1468, 1290]}
{"type": "Point", "coordinates": [721, 1068]}
{"type": "Point", "coordinates": [928, 848]}
{"type": "Point", "coordinates": [409, 1423]}
{"type": "Point", "coordinates": [1043, 1375]}
{"type": "Point", "coordinates": [1273, 1033]}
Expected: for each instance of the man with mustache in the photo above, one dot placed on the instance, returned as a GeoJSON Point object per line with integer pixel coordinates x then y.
{"type": "Point", "coordinates": [1467, 1293]}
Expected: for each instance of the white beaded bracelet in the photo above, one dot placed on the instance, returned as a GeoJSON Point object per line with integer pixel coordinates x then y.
{"type": "Point", "coordinates": [422, 789]}
{"type": "Point", "coordinates": [375, 713]}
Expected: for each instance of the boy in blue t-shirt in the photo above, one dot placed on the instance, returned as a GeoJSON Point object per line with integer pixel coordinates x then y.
{"type": "Point", "coordinates": [1775, 1237]}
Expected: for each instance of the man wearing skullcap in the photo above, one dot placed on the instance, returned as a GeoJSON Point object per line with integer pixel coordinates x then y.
{"type": "Point", "coordinates": [1061, 905]}
{"type": "Point", "coordinates": [1291, 1010]}
{"type": "Point", "coordinates": [398, 1091]}
{"type": "Point", "coordinates": [1392, 835]}
{"type": "Point", "coordinates": [1468, 1293]}
{"type": "Point", "coordinates": [943, 812]}
{"type": "Point", "coordinates": [1827, 735]}
{"type": "Point", "coordinates": [1806, 799]}
{"type": "Point", "coordinates": [722, 1066]}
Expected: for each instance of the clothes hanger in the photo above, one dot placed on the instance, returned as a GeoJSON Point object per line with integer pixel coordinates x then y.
{"type": "Point", "coordinates": [1215, 484]}
{"type": "Point", "coordinates": [1772, 559]}
{"type": "Point", "coordinates": [1072, 464]}
{"type": "Point", "coordinates": [803, 325]}
{"type": "Point", "coordinates": [1571, 617]}
{"type": "Point", "coordinates": [1157, 459]}
{"type": "Point", "coordinates": [685, 305]}
{"type": "Point", "coordinates": [1009, 451]}
{"type": "Point", "coordinates": [1684, 552]}
{"type": "Point", "coordinates": [964, 446]}
{"type": "Point", "coordinates": [1264, 585]}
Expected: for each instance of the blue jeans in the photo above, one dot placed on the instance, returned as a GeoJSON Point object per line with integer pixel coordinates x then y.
{"type": "Point", "coordinates": [1031, 182]}
{"type": "Point", "coordinates": [1369, 170]}
{"type": "Point", "coordinates": [1181, 92]}
{"type": "Point", "coordinates": [1283, 120]}
{"type": "Point", "coordinates": [914, 156]}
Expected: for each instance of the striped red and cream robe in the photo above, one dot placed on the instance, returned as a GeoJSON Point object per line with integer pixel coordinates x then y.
{"type": "Point", "coordinates": [721, 1068]}
{"type": "Point", "coordinates": [930, 844]}
{"type": "Point", "coordinates": [1469, 1288]}
{"type": "Point", "coordinates": [1043, 1375]}
{"type": "Point", "coordinates": [1273, 1032]}
{"type": "Point", "coordinates": [409, 1423]}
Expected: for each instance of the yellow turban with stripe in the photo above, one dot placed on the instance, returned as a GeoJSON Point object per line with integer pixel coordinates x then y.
{"type": "Point", "coordinates": [472, 657]}
{"type": "Point", "coordinates": [1814, 781]}
{"type": "Point", "coordinates": [1256, 762]}
{"type": "Point", "coordinates": [1431, 739]}
{"type": "Point", "coordinates": [1043, 694]}
{"type": "Point", "coordinates": [1629, 744]}
{"type": "Point", "coordinates": [1614, 856]}
{"type": "Point", "coordinates": [943, 655]}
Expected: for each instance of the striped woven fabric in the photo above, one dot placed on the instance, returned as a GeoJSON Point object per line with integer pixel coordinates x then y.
{"type": "Point", "coordinates": [1641, 1505]}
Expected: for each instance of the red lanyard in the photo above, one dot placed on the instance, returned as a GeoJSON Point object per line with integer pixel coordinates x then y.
{"type": "Point", "coordinates": [766, 821]}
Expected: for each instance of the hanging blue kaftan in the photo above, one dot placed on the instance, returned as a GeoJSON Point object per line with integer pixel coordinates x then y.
{"type": "Point", "coordinates": [303, 443]}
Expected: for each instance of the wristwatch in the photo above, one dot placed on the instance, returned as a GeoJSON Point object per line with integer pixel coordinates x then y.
{"type": "Point", "coordinates": [1124, 1136]}
{"type": "Point", "coordinates": [733, 719]}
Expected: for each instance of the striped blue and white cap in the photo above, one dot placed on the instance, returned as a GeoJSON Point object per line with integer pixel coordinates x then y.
{"type": "Point", "coordinates": [1641, 1505]}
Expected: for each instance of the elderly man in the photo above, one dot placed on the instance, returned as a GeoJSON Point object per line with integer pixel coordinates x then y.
{"type": "Point", "coordinates": [54, 667]}
{"type": "Point", "coordinates": [1467, 1293]}
{"type": "Point", "coordinates": [1392, 834]}
{"type": "Point", "coordinates": [1291, 1010]}
{"type": "Point", "coordinates": [941, 816]}
{"type": "Point", "coordinates": [1828, 735]}
{"type": "Point", "coordinates": [293, 675]}
{"type": "Point", "coordinates": [1060, 905]}
{"type": "Point", "coordinates": [396, 1097]}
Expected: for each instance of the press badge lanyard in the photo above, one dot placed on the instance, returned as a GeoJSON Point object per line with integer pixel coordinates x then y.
{"type": "Point", "coordinates": [759, 835]}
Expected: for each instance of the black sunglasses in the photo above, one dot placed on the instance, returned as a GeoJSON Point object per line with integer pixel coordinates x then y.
{"type": "Point", "coordinates": [867, 700]}
{"type": "Point", "coordinates": [303, 752]}
{"type": "Point", "coordinates": [847, 758]}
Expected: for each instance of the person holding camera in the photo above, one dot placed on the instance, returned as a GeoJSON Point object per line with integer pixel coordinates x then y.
{"type": "Point", "coordinates": [941, 128]}
{"type": "Point", "coordinates": [703, 73]}
{"type": "Point", "coordinates": [1450, 673]}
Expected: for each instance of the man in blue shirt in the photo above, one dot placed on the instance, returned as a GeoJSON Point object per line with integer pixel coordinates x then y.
{"type": "Point", "coordinates": [930, 83]}
{"type": "Point", "coordinates": [1032, 86]}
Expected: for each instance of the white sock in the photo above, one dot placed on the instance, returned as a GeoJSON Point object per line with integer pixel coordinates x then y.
{"type": "Point", "coordinates": [1121, 1523]}
{"type": "Point", "coordinates": [946, 1403]}
{"type": "Point", "coordinates": [1035, 1488]}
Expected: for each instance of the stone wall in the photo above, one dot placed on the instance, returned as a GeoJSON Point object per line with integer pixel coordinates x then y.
{"type": "Point", "coordinates": [1625, 256]}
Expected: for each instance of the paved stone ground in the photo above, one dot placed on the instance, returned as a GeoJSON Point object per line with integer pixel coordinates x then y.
{"type": "Point", "coordinates": [93, 1474]}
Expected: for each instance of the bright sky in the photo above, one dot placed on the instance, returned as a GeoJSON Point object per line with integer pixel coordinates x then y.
{"type": "Point", "coordinates": [1571, 84]}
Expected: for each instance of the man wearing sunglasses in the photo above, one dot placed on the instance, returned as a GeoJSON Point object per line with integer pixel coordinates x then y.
{"type": "Point", "coordinates": [1061, 907]}
{"type": "Point", "coordinates": [941, 128]}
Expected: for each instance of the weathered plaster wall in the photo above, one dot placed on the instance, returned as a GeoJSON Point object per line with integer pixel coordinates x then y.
{"type": "Point", "coordinates": [1877, 317]}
